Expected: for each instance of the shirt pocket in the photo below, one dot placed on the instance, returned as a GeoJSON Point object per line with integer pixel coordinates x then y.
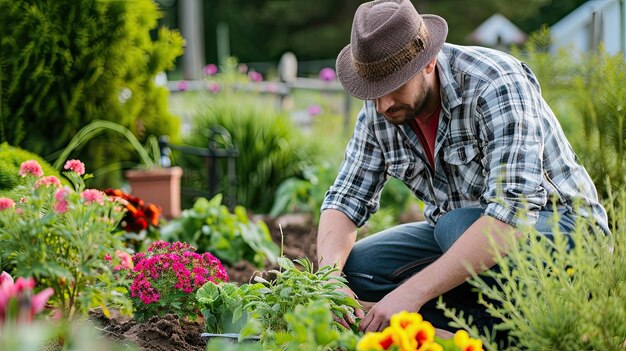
{"type": "Point", "coordinates": [412, 173]}
{"type": "Point", "coordinates": [466, 171]}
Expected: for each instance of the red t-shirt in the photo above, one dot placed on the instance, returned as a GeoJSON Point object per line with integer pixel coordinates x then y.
{"type": "Point", "coordinates": [427, 133]}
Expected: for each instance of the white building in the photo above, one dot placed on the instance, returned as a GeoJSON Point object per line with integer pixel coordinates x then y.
{"type": "Point", "coordinates": [594, 22]}
{"type": "Point", "coordinates": [498, 32]}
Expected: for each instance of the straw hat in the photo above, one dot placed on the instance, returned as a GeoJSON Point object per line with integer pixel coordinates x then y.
{"type": "Point", "coordinates": [390, 43]}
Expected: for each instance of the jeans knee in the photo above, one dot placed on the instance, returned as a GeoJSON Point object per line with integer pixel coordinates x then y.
{"type": "Point", "coordinates": [453, 224]}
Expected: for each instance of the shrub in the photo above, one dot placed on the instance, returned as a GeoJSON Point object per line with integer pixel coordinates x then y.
{"type": "Point", "coordinates": [66, 63]}
{"type": "Point", "coordinates": [60, 236]}
{"type": "Point", "coordinates": [231, 237]}
{"type": "Point", "coordinates": [551, 297]}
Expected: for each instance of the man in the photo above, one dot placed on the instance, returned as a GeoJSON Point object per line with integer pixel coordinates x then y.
{"type": "Point", "coordinates": [466, 129]}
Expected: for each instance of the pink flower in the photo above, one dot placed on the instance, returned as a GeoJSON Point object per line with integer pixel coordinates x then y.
{"type": "Point", "coordinates": [255, 76]}
{"type": "Point", "coordinates": [327, 74]}
{"type": "Point", "coordinates": [21, 289]}
{"type": "Point", "coordinates": [210, 69]}
{"type": "Point", "coordinates": [214, 87]}
{"type": "Point", "coordinates": [315, 110]}
{"type": "Point", "coordinates": [6, 203]}
{"type": "Point", "coordinates": [107, 257]}
{"type": "Point", "coordinates": [60, 197]}
{"type": "Point", "coordinates": [93, 195]}
{"type": "Point", "coordinates": [47, 181]}
{"type": "Point", "coordinates": [76, 166]}
{"type": "Point", "coordinates": [183, 85]}
{"type": "Point", "coordinates": [30, 167]}
{"type": "Point", "coordinates": [126, 261]}
{"type": "Point", "coordinates": [38, 301]}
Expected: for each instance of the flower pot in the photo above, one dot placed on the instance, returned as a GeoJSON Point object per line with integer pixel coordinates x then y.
{"type": "Point", "coordinates": [160, 186]}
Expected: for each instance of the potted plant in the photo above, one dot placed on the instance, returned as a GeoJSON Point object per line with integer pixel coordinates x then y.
{"type": "Point", "coordinates": [150, 182]}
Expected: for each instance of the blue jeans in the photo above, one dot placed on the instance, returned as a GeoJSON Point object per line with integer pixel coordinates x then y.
{"type": "Point", "coordinates": [379, 263]}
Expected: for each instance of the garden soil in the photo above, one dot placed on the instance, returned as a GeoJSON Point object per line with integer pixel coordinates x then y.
{"type": "Point", "coordinates": [298, 235]}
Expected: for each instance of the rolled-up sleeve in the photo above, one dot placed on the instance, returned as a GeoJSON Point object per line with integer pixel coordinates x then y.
{"type": "Point", "coordinates": [356, 190]}
{"type": "Point", "coordinates": [509, 118]}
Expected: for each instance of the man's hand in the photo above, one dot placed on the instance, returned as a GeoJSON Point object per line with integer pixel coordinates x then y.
{"type": "Point", "coordinates": [379, 315]}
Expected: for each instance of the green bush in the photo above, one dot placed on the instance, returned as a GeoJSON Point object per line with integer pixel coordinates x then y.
{"type": "Point", "coordinates": [66, 63]}
{"type": "Point", "coordinates": [11, 158]}
{"type": "Point", "coordinates": [231, 237]}
{"type": "Point", "coordinates": [550, 297]}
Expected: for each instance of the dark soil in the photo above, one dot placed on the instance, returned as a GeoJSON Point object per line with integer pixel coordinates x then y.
{"type": "Point", "coordinates": [172, 333]}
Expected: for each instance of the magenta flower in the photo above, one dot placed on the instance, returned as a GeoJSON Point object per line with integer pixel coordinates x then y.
{"type": "Point", "coordinates": [47, 181]}
{"type": "Point", "coordinates": [314, 110]}
{"type": "Point", "coordinates": [30, 167]}
{"type": "Point", "coordinates": [93, 195]}
{"type": "Point", "coordinates": [6, 203]}
{"type": "Point", "coordinates": [76, 166]}
{"type": "Point", "coordinates": [327, 74]}
{"type": "Point", "coordinates": [107, 257]}
{"type": "Point", "coordinates": [171, 272]}
{"type": "Point", "coordinates": [255, 76]}
{"type": "Point", "coordinates": [210, 69]}
{"type": "Point", "coordinates": [183, 85]}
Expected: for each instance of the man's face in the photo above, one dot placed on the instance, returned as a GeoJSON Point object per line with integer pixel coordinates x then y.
{"type": "Point", "coordinates": [407, 102]}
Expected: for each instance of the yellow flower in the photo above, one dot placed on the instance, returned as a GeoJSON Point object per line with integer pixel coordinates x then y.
{"type": "Point", "coordinates": [463, 341]}
{"type": "Point", "coordinates": [404, 319]}
{"type": "Point", "coordinates": [418, 336]}
{"type": "Point", "coordinates": [378, 341]}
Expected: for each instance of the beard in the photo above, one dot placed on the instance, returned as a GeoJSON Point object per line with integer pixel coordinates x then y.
{"type": "Point", "coordinates": [410, 112]}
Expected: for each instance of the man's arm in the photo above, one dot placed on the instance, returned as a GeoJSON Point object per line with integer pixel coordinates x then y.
{"type": "Point", "coordinates": [335, 237]}
{"type": "Point", "coordinates": [450, 270]}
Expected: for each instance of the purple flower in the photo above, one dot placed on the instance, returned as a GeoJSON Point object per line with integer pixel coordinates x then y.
{"type": "Point", "coordinates": [327, 74]}
{"type": "Point", "coordinates": [210, 69]}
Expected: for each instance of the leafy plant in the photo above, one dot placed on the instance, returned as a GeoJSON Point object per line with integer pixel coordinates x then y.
{"type": "Point", "coordinates": [222, 306]}
{"type": "Point", "coordinates": [290, 287]}
{"type": "Point", "coordinates": [311, 327]}
{"type": "Point", "coordinates": [166, 277]}
{"type": "Point", "coordinates": [60, 237]}
{"type": "Point", "coordinates": [231, 237]}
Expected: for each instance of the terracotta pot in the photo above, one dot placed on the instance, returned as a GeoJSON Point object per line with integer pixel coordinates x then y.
{"type": "Point", "coordinates": [160, 186]}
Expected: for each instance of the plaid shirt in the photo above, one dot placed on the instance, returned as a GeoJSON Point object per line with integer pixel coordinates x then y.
{"type": "Point", "coordinates": [498, 146]}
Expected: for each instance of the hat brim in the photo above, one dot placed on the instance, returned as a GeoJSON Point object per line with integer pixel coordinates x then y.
{"type": "Point", "coordinates": [367, 89]}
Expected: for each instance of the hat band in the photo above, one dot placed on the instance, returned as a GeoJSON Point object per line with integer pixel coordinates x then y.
{"type": "Point", "coordinates": [381, 68]}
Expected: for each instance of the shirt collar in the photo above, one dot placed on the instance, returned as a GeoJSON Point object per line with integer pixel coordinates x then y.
{"type": "Point", "coordinates": [450, 89]}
